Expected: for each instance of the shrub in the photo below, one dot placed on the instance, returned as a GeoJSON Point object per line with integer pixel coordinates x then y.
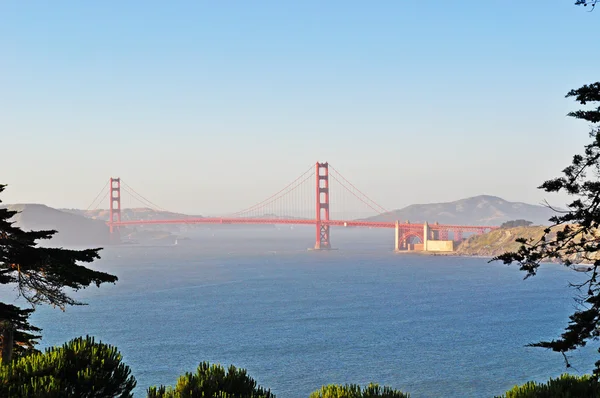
{"type": "Point", "coordinates": [354, 391]}
{"type": "Point", "coordinates": [80, 368]}
{"type": "Point", "coordinates": [565, 386]}
{"type": "Point", "coordinates": [516, 223]}
{"type": "Point", "coordinates": [212, 381]}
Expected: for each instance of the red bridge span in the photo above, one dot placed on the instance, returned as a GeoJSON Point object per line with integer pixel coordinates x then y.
{"type": "Point", "coordinates": [322, 197]}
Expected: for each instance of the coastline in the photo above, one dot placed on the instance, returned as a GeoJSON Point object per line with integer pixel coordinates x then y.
{"type": "Point", "coordinates": [443, 254]}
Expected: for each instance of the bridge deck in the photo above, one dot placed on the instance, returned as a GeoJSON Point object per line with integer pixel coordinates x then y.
{"type": "Point", "coordinates": [337, 223]}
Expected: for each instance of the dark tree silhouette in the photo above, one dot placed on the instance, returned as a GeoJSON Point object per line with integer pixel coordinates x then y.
{"type": "Point", "coordinates": [585, 3]}
{"type": "Point", "coordinates": [40, 275]}
{"type": "Point", "coordinates": [17, 319]}
{"type": "Point", "coordinates": [575, 234]}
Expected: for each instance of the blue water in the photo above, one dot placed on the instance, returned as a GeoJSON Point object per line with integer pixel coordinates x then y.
{"type": "Point", "coordinates": [295, 319]}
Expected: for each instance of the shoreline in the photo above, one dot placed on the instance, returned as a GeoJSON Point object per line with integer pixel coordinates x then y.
{"type": "Point", "coordinates": [463, 255]}
{"type": "Point", "coordinates": [441, 254]}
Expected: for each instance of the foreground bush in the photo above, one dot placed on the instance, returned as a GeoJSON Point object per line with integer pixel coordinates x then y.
{"type": "Point", "coordinates": [81, 368]}
{"type": "Point", "coordinates": [565, 386]}
{"type": "Point", "coordinates": [354, 391]}
{"type": "Point", "coordinates": [212, 381]}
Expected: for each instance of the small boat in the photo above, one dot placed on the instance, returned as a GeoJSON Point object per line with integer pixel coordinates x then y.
{"type": "Point", "coordinates": [583, 268]}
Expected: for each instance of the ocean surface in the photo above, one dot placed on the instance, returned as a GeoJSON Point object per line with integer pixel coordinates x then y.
{"type": "Point", "coordinates": [297, 319]}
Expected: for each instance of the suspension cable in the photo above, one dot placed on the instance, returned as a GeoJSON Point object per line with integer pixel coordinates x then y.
{"type": "Point", "coordinates": [97, 196]}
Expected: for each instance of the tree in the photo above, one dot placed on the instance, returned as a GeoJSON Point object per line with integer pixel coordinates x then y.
{"type": "Point", "coordinates": [516, 223]}
{"type": "Point", "coordinates": [355, 391]}
{"type": "Point", "coordinates": [586, 3]}
{"type": "Point", "coordinates": [40, 274]}
{"type": "Point", "coordinates": [23, 341]}
{"type": "Point", "coordinates": [213, 381]}
{"type": "Point", "coordinates": [574, 236]}
{"type": "Point", "coordinates": [564, 386]}
{"type": "Point", "coordinates": [81, 368]}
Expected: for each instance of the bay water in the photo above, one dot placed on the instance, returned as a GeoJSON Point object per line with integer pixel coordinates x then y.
{"type": "Point", "coordinates": [297, 319]}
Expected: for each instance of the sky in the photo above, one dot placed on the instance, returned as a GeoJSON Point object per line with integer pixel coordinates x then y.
{"type": "Point", "coordinates": [208, 107]}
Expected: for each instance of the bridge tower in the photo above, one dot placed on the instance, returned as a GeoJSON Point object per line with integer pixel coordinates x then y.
{"type": "Point", "coordinates": [322, 190]}
{"type": "Point", "coordinates": [115, 203]}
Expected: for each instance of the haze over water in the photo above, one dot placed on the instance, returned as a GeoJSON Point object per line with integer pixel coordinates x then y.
{"type": "Point", "coordinates": [297, 319]}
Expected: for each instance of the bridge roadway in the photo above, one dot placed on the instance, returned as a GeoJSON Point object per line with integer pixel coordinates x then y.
{"type": "Point", "coordinates": [336, 223]}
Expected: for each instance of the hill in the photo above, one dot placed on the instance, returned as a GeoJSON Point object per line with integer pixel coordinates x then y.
{"type": "Point", "coordinates": [477, 210]}
{"type": "Point", "coordinates": [144, 214]}
{"type": "Point", "coordinates": [502, 240]}
{"type": "Point", "coordinates": [73, 230]}
{"type": "Point", "coordinates": [497, 241]}
{"type": "Point", "coordinates": [141, 213]}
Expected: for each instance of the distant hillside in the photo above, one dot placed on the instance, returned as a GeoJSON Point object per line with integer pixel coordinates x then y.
{"type": "Point", "coordinates": [150, 214]}
{"type": "Point", "coordinates": [478, 210]}
{"type": "Point", "coordinates": [498, 241]}
{"type": "Point", "coordinates": [144, 213]}
{"type": "Point", "coordinates": [130, 214]}
{"type": "Point", "coordinates": [73, 230]}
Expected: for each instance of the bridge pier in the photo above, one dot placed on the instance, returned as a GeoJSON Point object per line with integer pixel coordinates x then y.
{"type": "Point", "coordinates": [322, 242]}
{"type": "Point", "coordinates": [458, 236]}
{"type": "Point", "coordinates": [396, 237]}
{"type": "Point", "coordinates": [401, 235]}
{"type": "Point", "coordinates": [115, 235]}
{"type": "Point", "coordinates": [429, 236]}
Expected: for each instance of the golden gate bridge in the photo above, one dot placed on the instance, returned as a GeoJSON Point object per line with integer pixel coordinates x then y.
{"type": "Point", "coordinates": [310, 198]}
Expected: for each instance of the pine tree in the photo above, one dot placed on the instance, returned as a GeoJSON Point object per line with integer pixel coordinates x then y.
{"type": "Point", "coordinates": [40, 275]}
{"type": "Point", "coordinates": [213, 381]}
{"type": "Point", "coordinates": [80, 368]}
{"type": "Point", "coordinates": [574, 236]}
{"type": "Point", "coordinates": [585, 3]}
{"type": "Point", "coordinates": [16, 319]}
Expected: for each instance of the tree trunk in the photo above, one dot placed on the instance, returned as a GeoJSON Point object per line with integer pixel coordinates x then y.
{"type": "Point", "coordinates": [7, 342]}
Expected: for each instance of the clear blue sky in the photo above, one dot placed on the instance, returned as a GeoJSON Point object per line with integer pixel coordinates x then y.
{"type": "Point", "coordinates": [208, 107]}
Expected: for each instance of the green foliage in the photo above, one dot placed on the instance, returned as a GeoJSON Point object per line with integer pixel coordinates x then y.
{"type": "Point", "coordinates": [81, 368]}
{"type": "Point", "coordinates": [355, 391]}
{"type": "Point", "coordinates": [565, 386]}
{"type": "Point", "coordinates": [516, 223]}
{"type": "Point", "coordinates": [40, 275]}
{"type": "Point", "coordinates": [212, 381]}
{"type": "Point", "coordinates": [24, 340]}
{"type": "Point", "coordinates": [574, 237]}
